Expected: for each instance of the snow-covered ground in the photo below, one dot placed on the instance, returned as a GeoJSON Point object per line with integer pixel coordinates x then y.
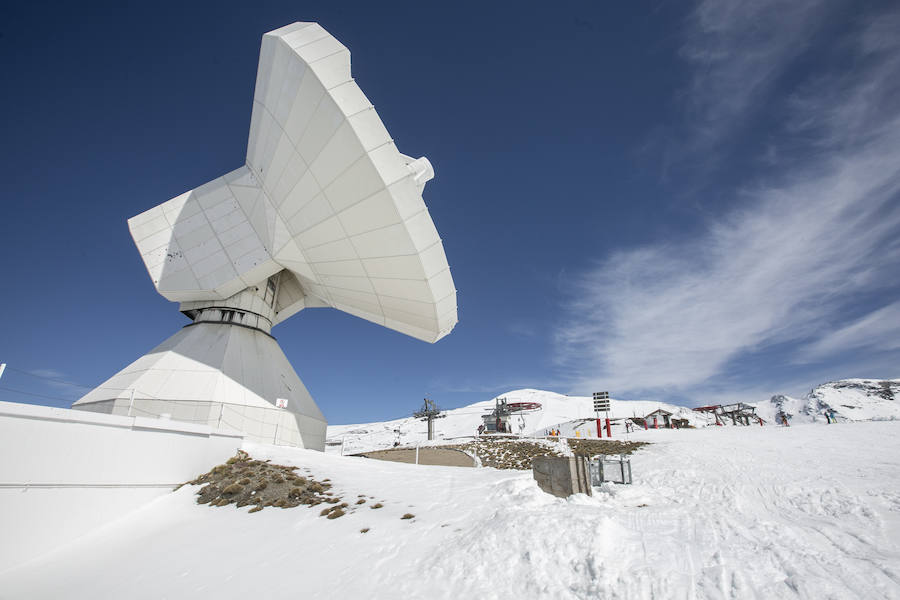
{"type": "Point", "coordinates": [809, 511]}
{"type": "Point", "coordinates": [851, 399]}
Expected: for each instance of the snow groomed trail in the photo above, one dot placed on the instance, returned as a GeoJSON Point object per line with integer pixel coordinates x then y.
{"type": "Point", "coordinates": [745, 512]}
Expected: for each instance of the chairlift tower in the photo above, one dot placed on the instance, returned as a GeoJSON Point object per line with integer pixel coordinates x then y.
{"type": "Point", "coordinates": [429, 412]}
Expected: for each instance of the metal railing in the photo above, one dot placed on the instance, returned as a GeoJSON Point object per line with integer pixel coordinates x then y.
{"type": "Point", "coordinates": [271, 425]}
{"type": "Point", "coordinates": [609, 469]}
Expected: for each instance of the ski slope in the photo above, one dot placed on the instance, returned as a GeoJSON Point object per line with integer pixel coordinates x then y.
{"type": "Point", "coordinates": [805, 512]}
{"type": "Point", "coordinates": [851, 399]}
{"type": "Point", "coordinates": [556, 409]}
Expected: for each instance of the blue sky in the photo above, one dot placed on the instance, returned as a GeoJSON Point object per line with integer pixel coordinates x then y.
{"type": "Point", "coordinates": [694, 202]}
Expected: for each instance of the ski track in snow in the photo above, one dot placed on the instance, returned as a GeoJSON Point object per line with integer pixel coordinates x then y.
{"type": "Point", "coordinates": [759, 512]}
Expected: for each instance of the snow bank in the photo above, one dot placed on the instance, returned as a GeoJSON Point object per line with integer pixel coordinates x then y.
{"type": "Point", "coordinates": [719, 512]}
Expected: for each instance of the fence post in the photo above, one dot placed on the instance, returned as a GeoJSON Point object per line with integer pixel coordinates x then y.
{"type": "Point", "coordinates": [131, 402]}
{"type": "Point", "coordinates": [275, 437]}
{"type": "Point", "coordinates": [221, 410]}
{"type": "Point", "coordinates": [417, 452]}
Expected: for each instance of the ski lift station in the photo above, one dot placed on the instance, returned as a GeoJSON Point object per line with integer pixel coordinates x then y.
{"type": "Point", "coordinates": [507, 417]}
{"type": "Point", "coordinates": [733, 414]}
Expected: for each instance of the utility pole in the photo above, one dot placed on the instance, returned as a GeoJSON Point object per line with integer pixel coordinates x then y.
{"type": "Point", "coordinates": [429, 412]}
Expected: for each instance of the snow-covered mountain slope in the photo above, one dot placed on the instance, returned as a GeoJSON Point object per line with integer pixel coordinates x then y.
{"type": "Point", "coordinates": [719, 512]}
{"type": "Point", "coordinates": [555, 410]}
{"type": "Point", "coordinates": [851, 400]}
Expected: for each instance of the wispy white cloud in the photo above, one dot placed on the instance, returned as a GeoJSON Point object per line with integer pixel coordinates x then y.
{"type": "Point", "coordinates": [522, 329]}
{"type": "Point", "coordinates": [879, 330]}
{"type": "Point", "coordinates": [47, 373]}
{"type": "Point", "coordinates": [673, 316]}
{"type": "Point", "coordinates": [58, 381]}
{"type": "Point", "coordinates": [489, 387]}
{"type": "Point", "coordinates": [738, 50]}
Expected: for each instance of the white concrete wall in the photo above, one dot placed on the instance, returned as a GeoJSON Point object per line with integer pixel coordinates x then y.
{"type": "Point", "coordinates": [65, 472]}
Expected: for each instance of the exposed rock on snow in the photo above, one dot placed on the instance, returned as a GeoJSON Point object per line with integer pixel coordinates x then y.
{"type": "Point", "coordinates": [243, 481]}
{"type": "Point", "coordinates": [850, 399]}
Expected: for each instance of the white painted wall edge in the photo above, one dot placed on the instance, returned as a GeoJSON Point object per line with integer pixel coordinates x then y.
{"type": "Point", "coordinates": [51, 413]}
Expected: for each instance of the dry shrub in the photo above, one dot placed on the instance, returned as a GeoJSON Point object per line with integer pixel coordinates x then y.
{"type": "Point", "coordinates": [408, 516]}
{"type": "Point", "coordinates": [257, 484]}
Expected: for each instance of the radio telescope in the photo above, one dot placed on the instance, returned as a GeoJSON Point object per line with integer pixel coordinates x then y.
{"type": "Point", "coordinates": [326, 212]}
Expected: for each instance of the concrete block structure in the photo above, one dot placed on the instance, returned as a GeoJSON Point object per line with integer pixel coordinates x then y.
{"type": "Point", "coordinates": [324, 212]}
{"type": "Point", "coordinates": [562, 476]}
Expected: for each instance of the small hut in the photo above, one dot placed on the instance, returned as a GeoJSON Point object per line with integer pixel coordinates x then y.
{"type": "Point", "coordinates": [659, 418]}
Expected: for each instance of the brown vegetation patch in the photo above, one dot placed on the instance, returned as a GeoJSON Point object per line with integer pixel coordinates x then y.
{"type": "Point", "coordinates": [243, 481]}
{"type": "Point", "coordinates": [593, 447]}
{"type": "Point", "coordinates": [506, 453]}
{"type": "Point", "coordinates": [518, 454]}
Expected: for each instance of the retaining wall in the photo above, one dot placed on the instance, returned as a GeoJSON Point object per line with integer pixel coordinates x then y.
{"type": "Point", "coordinates": [66, 472]}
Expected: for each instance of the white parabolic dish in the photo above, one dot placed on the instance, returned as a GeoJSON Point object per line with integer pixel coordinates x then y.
{"type": "Point", "coordinates": [324, 195]}
{"type": "Point", "coordinates": [325, 212]}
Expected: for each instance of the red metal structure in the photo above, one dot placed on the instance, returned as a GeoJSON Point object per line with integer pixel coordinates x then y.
{"type": "Point", "coordinates": [523, 406]}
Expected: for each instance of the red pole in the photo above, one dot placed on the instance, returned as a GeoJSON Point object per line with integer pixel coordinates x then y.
{"type": "Point", "coordinates": [599, 429]}
{"type": "Point", "coordinates": [645, 424]}
{"type": "Point", "coordinates": [655, 423]}
{"type": "Point", "coordinates": [608, 430]}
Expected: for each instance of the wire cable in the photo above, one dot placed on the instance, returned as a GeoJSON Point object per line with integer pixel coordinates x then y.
{"type": "Point", "coordinates": [6, 389]}
{"type": "Point", "coordinates": [30, 374]}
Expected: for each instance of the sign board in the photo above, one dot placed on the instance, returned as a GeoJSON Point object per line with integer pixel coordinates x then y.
{"type": "Point", "coordinates": [281, 402]}
{"type": "Point", "coordinates": [601, 401]}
